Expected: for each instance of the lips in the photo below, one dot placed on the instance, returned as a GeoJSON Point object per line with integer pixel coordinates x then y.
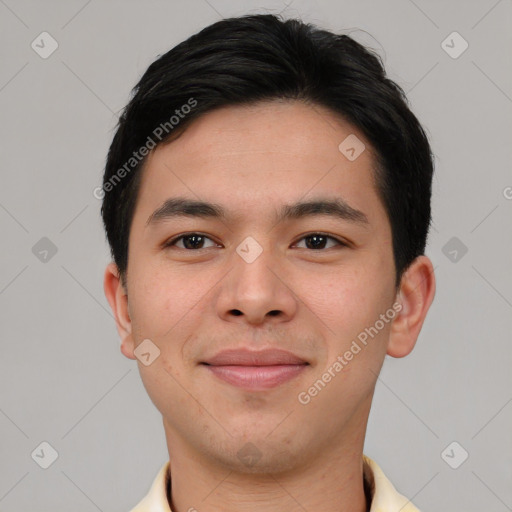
{"type": "Point", "coordinates": [244, 357]}
{"type": "Point", "coordinates": [255, 370]}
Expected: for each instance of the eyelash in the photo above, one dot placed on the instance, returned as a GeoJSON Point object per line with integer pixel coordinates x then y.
{"type": "Point", "coordinates": [172, 241]}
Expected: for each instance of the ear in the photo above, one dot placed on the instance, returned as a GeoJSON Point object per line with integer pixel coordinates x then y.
{"type": "Point", "coordinates": [416, 293]}
{"type": "Point", "coordinates": [118, 300]}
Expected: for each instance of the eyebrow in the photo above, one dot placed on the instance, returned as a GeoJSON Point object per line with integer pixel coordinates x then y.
{"type": "Point", "coordinates": [183, 207]}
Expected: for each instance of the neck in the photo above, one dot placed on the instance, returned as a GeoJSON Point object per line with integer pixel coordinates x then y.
{"type": "Point", "coordinates": [330, 482]}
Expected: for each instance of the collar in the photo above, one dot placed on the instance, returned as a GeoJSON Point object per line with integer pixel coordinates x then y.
{"type": "Point", "coordinates": [384, 496]}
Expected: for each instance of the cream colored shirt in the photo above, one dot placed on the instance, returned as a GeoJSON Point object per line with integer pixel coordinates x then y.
{"type": "Point", "coordinates": [385, 497]}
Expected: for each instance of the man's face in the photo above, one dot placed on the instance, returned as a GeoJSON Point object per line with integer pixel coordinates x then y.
{"type": "Point", "coordinates": [200, 296]}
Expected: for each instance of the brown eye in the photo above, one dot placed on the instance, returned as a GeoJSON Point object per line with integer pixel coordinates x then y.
{"type": "Point", "coordinates": [191, 241]}
{"type": "Point", "coordinates": [316, 241]}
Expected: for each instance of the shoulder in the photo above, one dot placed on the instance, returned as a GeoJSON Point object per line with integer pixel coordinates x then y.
{"type": "Point", "coordinates": [156, 498]}
{"type": "Point", "coordinates": [385, 498]}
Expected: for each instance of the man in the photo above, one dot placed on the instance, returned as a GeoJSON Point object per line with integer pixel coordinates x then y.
{"type": "Point", "coordinates": [267, 204]}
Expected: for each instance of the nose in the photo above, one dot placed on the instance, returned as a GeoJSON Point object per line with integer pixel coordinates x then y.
{"type": "Point", "coordinates": [257, 292]}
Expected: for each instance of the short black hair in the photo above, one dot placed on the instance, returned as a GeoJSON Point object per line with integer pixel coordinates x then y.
{"type": "Point", "coordinates": [253, 58]}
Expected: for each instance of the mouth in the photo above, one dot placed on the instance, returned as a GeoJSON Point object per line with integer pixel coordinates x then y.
{"type": "Point", "coordinates": [257, 377]}
{"type": "Point", "coordinates": [253, 370]}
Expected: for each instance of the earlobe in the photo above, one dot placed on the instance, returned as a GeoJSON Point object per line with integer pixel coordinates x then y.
{"type": "Point", "coordinates": [118, 300]}
{"type": "Point", "coordinates": [417, 290]}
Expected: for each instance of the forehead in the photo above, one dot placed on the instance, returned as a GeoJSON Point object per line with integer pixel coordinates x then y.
{"type": "Point", "coordinates": [262, 156]}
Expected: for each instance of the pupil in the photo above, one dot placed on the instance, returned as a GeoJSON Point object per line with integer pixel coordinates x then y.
{"type": "Point", "coordinates": [319, 241]}
{"type": "Point", "coordinates": [194, 244]}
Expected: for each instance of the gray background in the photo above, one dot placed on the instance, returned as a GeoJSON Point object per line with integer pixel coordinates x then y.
{"type": "Point", "coordinates": [63, 379]}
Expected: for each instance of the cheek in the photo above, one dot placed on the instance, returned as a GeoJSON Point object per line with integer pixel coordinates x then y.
{"type": "Point", "coordinates": [161, 380]}
{"type": "Point", "coordinates": [345, 305]}
{"type": "Point", "coordinates": [339, 299]}
{"type": "Point", "coordinates": [160, 299]}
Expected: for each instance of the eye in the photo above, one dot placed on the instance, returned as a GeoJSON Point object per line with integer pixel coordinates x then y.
{"type": "Point", "coordinates": [318, 241]}
{"type": "Point", "coordinates": [196, 241]}
{"type": "Point", "coordinates": [191, 241]}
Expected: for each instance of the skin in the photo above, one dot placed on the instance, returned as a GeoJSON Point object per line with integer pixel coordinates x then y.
{"type": "Point", "coordinates": [192, 303]}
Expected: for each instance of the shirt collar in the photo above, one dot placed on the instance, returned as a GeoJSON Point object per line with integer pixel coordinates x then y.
{"type": "Point", "coordinates": [385, 497]}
